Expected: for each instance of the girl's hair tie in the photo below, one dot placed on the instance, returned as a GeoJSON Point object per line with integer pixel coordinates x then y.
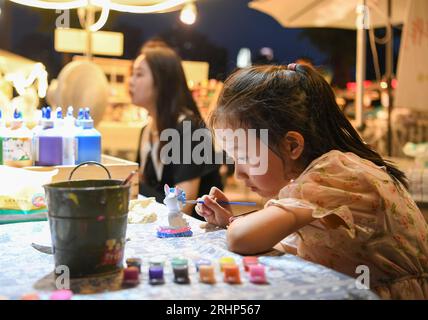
{"type": "Point", "coordinates": [292, 66]}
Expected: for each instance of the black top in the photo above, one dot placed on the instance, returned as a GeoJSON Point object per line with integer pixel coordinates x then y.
{"type": "Point", "coordinates": [173, 174]}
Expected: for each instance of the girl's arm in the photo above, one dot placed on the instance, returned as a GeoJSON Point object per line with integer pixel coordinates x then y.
{"type": "Point", "coordinates": [262, 230]}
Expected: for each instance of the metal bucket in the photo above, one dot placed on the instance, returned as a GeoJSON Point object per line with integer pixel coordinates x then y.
{"type": "Point", "coordinates": [88, 220]}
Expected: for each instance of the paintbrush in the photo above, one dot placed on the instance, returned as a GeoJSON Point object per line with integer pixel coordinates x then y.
{"type": "Point", "coordinates": [128, 178]}
{"type": "Point", "coordinates": [232, 203]}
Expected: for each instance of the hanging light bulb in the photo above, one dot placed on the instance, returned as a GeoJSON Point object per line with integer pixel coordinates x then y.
{"type": "Point", "coordinates": [244, 58]}
{"type": "Point", "coordinates": [188, 13]}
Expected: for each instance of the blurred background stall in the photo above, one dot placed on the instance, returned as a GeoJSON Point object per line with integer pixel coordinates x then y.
{"type": "Point", "coordinates": [377, 68]}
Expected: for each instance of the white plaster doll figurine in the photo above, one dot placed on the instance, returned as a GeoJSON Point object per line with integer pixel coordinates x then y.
{"type": "Point", "coordinates": [175, 200]}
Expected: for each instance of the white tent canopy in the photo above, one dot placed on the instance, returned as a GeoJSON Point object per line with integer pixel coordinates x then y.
{"type": "Point", "coordinates": [343, 14]}
{"type": "Point", "coordinates": [412, 71]}
{"type": "Point", "coordinates": [339, 14]}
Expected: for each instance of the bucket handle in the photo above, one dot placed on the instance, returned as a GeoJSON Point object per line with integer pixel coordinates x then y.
{"type": "Point", "coordinates": [89, 162]}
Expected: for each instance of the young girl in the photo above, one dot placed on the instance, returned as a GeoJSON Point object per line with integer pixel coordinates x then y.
{"type": "Point", "coordinates": [345, 205]}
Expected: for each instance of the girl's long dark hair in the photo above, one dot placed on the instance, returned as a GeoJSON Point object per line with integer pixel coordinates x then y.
{"type": "Point", "coordinates": [173, 97]}
{"type": "Point", "coordinates": [282, 100]}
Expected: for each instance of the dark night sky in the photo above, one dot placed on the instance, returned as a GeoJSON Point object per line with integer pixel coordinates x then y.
{"type": "Point", "coordinates": [226, 23]}
{"type": "Point", "coordinates": [231, 24]}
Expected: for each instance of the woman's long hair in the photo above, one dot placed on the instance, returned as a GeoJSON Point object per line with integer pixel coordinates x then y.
{"type": "Point", "coordinates": [173, 97]}
{"type": "Point", "coordinates": [282, 100]}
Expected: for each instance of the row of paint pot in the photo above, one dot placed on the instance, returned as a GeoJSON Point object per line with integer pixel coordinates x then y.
{"type": "Point", "coordinates": [131, 274]}
{"type": "Point", "coordinates": [228, 267]}
{"type": "Point", "coordinates": [54, 141]}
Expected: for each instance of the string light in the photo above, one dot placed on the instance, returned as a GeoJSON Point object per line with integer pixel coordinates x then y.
{"type": "Point", "coordinates": [188, 13]}
{"type": "Point", "coordinates": [53, 5]}
{"type": "Point", "coordinates": [74, 4]}
{"type": "Point", "coordinates": [159, 7]}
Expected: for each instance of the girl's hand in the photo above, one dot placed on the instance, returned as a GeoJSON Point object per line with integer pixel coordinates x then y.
{"type": "Point", "coordinates": [213, 212]}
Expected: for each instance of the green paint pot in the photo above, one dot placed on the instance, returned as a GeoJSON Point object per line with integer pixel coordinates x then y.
{"type": "Point", "coordinates": [179, 261]}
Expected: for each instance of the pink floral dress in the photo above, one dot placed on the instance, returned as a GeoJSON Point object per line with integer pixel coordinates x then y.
{"type": "Point", "coordinates": [362, 218]}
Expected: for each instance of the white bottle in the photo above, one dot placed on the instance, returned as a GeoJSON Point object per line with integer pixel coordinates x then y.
{"type": "Point", "coordinates": [68, 138]}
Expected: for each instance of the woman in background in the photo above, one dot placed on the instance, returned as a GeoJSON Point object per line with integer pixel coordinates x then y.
{"type": "Point", "coordinates": [158, 84]}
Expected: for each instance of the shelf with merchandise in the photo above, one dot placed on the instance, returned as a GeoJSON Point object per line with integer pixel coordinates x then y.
{"type": "Point", "coordinates": [206, 94]}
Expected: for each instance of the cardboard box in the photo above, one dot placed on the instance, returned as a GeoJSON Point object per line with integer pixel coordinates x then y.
{"type": "Point", "coordinates": [119, 169]}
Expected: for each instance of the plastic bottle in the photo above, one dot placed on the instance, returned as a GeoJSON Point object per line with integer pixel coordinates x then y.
{"type": "Point", "coordinates": [17, 143]}
{"type": "Point", "coordinates": [88, 141]}
{"type": "Point", "coordinates": [80, 117]}
{"type": "Point", "coordinates": [50, 141]}
{"type": "Point", "coordinates": [69, 138]}
{"type": "Point", "coordinates": [36, 131]}
{"type": "Point", "coordinates": [39, 126]}
{"type": "Point", "coordinates": [3, 133]}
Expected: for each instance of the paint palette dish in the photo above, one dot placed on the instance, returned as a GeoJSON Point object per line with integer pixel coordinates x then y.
{"type": "Point", "coordinates": [131, 276]}
{"type": "Point", "coordinates": [226, 261]}
{"type": "Point", "coordinates": [61, 295]}
{"type": "Point", "coordinates": [156, 276]}
{"type": "Point", "coordinates": [202, 262]}
{"type": "Point", "coordinates": [181, 274]}
{"type": "Point", "coordinates": [231, 274]}
{"type": "Point", "coordinates": [249, 261]}
{"type": "Point", "coordinates": [134, 262]}
{"type": "Point", "coordinates": [257, 274]}
{"type": "Point", "coordinates": [207, 274]}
